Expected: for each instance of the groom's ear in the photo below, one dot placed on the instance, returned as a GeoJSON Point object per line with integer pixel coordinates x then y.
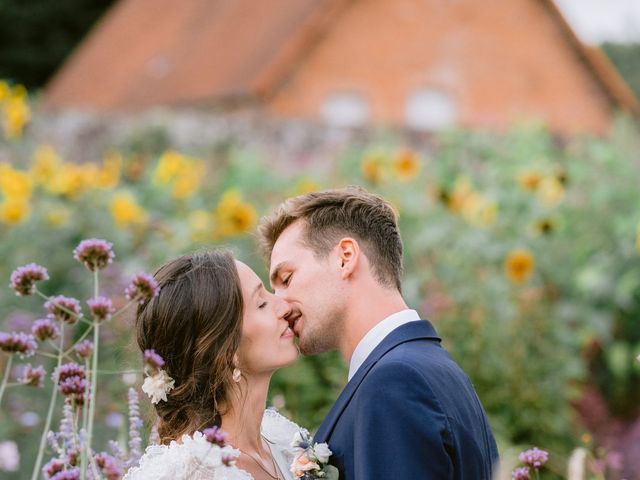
{"type": "Point", "coordinates": [348, 256]}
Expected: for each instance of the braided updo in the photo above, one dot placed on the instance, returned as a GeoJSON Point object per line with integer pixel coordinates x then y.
{"type": "Point", "coordinates": [194, 324]}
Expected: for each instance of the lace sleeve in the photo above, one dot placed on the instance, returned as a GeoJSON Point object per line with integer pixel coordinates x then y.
{"type": "Point", "coordinates": [194, 458]}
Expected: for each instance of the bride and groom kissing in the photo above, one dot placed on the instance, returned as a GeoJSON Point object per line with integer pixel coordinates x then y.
{"type": "Point", "coordinates": [335, 263]}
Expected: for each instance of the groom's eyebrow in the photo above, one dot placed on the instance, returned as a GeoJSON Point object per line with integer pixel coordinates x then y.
{"type": "Point", "coordinates": [276, 271]}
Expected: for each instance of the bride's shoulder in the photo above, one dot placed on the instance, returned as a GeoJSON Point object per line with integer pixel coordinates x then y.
{"type": "Point", "coordinates": [278, 428]}
{"type": "Point", "coordinates": [193, 458]}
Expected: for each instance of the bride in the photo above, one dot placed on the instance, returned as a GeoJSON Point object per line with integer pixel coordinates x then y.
{"type": "Point", "coordinates": [221, 335]}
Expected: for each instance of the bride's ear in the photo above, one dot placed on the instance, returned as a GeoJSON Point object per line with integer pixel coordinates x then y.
{"type": "Point", "coordinates": [348, 256]}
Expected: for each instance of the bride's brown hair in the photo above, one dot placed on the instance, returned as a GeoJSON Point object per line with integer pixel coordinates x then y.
{"type": "Point", "coordinates": [194, 324]}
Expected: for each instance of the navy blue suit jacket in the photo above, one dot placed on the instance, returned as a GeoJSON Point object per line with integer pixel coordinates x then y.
{"type": "Point", "coordinates": [409, 412]}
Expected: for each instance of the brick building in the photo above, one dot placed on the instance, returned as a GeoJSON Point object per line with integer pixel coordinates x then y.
{"type": "Point", "coordinates": [425, 64]}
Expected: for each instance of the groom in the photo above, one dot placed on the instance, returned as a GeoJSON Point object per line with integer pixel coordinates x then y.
{"type": "Point", "coordinates": [408, 410]}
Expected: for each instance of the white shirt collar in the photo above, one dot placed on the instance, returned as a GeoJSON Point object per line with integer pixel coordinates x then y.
{"type": "Point", "coordinates": [374, 336]}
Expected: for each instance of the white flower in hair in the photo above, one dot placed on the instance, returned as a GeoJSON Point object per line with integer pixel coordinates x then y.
{"type": "Point", "coordinates": [158, 385]}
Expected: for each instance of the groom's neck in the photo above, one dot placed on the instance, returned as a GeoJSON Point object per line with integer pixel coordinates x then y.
{"type": "Point", "coordinates": [367, 309]}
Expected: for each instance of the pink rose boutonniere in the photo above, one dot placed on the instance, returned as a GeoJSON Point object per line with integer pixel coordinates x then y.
{"type": "Point", "coordinates": [311, 461]}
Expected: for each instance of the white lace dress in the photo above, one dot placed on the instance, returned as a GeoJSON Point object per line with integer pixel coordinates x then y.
{"type": "Point", "coordinates": [196, 459]}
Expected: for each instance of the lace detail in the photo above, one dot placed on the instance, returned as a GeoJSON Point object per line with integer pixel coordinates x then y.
{"type": "Point", "coordinates": [197, 459]}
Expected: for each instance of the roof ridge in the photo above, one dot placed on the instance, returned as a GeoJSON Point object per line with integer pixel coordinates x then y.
{"type": "Point", "coordinates": [606, 74]}
{"type": "Point", "coordinates": [291, 55]}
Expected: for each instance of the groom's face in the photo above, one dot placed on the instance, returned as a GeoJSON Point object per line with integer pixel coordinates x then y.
{"type": "Point", "coordinates": [311, 286]}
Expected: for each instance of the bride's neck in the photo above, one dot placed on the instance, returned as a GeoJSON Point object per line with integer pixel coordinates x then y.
{"type": "Point", "coordinates": [243, 418]}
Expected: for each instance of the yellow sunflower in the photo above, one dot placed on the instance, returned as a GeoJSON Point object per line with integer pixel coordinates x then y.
{"type": "Point", "coordinates": [519, 265]}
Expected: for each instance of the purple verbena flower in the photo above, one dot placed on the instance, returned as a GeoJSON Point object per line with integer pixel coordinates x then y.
{"type": "Point", "coordinates": [94, 253]}
{"type": "Point", "coordinates": [534, 457]}
{"type": "Point", "coordinates": [63, 309]}
{"type": "Point", "coordinates": [216, 436]}
{"type": "Point", "coordinates": [109, 466]}
{"type": "Point", "coordinates": [228, 460]}
{"type": "Point", "coordinates": [71, 380]}
{"type": "Point", "coordinates": [45, 329]}
{"type": "Point", "coordinates": [521, 473]}
{"type": "Point", "coordinates": [33, 376]}
{"type": "Point", "coordinates": [52, 467]}
{"type": "Point", "coordinates": [152, 360]}
{"type": "Point", "coordinates": [71, 474]}
{"type": "Point", "coordinates": [101, 308]}
{"type": "Point", "coordinates": [135, 422]}
{"type": "Point", "coordinates": [84, 349]}
{"type": "Point", "coordinates": [21, 343]}
{"type": "Point", "coordinates": [142, 288]}
{"type": "Point", "coordinates": [23, 279]}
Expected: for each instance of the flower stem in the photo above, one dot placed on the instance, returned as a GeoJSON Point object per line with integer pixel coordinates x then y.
{"type": "Point", "coordinates": [47, 423]}
{"type": "Point", "coordinates": [94, 382]}
{"type": "Point", "coordinates": [5, 378]}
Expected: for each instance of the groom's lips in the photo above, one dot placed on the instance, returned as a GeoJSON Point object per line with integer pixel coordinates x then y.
{"type": "Point", "coordinates": [293, 320]}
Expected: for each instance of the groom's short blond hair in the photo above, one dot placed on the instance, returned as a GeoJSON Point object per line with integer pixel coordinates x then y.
{"type": "Point", "coordinates": [330, 215]}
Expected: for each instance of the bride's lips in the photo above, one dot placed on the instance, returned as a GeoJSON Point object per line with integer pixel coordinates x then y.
{"type": "Point", "coordinates": [293, 320]}
{"type": "Point", "coordinates": [287, 333]}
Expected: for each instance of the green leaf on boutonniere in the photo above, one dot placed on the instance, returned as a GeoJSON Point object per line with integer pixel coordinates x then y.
{"type": "Point", "coordinates": [330, 472]}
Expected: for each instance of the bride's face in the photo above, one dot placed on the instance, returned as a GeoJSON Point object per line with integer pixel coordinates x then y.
{"type": "Point", "coordinates": [267, 342]}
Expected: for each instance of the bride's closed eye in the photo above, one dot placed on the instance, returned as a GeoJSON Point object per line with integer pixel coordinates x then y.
{"type": "Point", "coordinates": [262, 305]}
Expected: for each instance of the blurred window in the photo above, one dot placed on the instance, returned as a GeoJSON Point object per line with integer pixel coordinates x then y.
{"type": "Point", "coordinates": [430, 109]}
{"type": "Point", "coordinates": [345, 109]}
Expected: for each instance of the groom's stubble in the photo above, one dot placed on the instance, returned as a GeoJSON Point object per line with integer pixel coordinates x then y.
{"type": "Point", "coordinates": [323, 331]}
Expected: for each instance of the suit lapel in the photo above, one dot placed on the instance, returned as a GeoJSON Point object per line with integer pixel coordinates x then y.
{"type": "Point", "coordinates": [420, 329]}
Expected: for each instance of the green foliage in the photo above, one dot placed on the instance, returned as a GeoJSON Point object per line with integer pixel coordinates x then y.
{"type": "Point", "coordinates": [626, 58]}
{"type": "Point", "coordinates": [529, 338]}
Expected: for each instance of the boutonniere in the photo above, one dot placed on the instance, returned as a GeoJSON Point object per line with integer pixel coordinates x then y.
{"type": "Point", "coordinates": [311, 460]}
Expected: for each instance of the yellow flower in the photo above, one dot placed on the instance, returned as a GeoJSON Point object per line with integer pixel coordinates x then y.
{"type": "Point", "coordinates": [16, 116]}
{"type": "Point", "coordinates": [58, 217]}
{"type": "Point", "coordinates": [460, 195]}
{"type": "Point", "coordinates": [478, 210]}
{"type": "Point", "coordinates": [125, 211]}
{"type": "Point", "coordinates": [233, 216]}
{"type": "Point", "coordinates": [519, 265]}
{"type": "Point", "coordinates": [305, 186]}
{"type": "Point", "coordinates": [47, 162]}
{"type": "Point", "coordinates": [372, 168]}
{"type": "Point", "coordinates": [188, 180]}
{"type": "Point", "coordinates": [406, 165]}
{"type": "Point", "coordinates": [550, 192]}
{"type": "Point", "coordinates": [70, 180]}
{"type": "Point", "coordinates": [200, 225]}
{"type": "Point", "coordinates": [5, 90]}
{"type": "Point", "coordinates": [530, 180]}
{"type": "Point", "coordinates": [15, 183]}
{"type": "Point", "coordinates": [545, 226]}
{"type": "Point", "coordinates": [169, 166]}
{"type": "Point", "coordinates": [108, 175]}
{"type": "Point", "coordinates": [14, 211]}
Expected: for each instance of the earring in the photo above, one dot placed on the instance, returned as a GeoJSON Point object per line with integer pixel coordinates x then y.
{"type": "Point", "coordinates": [237, 375]}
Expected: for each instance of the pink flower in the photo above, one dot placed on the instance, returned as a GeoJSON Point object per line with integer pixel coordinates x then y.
{"type": "Point", "coordinates": [521, 473]}
{"type": "Point", "coordinates": [101, 308]}
{"type": "Point", "coordinates": [109, 466]}
{"type": "Point", "coordinates": [152, 360]}
{"type": "Point", "coordinates": [32, 376]}
{"type": "Point", "coordinates": [216, 436]}
{"type": "Point", "coordinates": [45, 329]}
{"type": "Point", "coordinates": [71, 380]}
{"type": "Point", "coordinates": [21, 343]}
{"type": "Point", "coordinates": [71, 474]}
{"type": "Point", "coordinates": [63, 309]}
{"type": "Point", "coordinates": [23, 279]}
{"type": "Point", "coordinates": [84, 349]}
{"type": "Point", "coordinates": [534, 457]}
{"type": "Point", "coordinates": [94, 253]}
{"type": "Point", "coordinates": [143, 288]}
{"type": "Point", "coordinates": [52, 467]}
